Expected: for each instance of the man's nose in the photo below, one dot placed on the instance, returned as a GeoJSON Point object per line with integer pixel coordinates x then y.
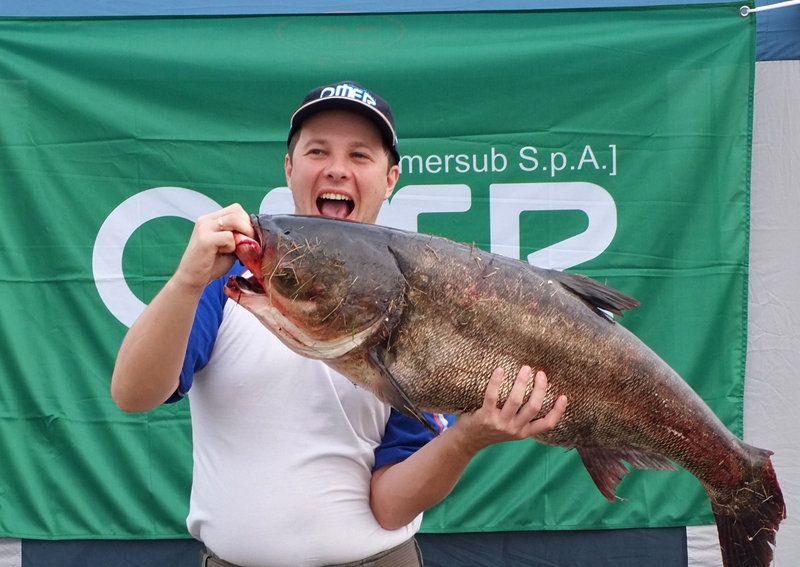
{"type": "Point", "coordinates": [337, 167]}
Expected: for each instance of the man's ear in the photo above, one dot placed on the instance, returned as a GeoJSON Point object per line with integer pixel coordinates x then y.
{"type": "Point", "coordinates": [391, 180]}
{"type": "Point", "coordinates": [287, 168]}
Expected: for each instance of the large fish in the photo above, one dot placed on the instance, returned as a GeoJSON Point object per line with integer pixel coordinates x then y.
{"type": "Point", "coordinates": [422, 321]}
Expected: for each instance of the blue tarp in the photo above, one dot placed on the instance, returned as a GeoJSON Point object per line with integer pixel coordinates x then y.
{"type": "Point", "coordinates": [778, 31]}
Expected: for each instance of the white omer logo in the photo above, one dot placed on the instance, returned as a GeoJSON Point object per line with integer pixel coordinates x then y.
{"type": "Point", "coordinates": [349, 91]}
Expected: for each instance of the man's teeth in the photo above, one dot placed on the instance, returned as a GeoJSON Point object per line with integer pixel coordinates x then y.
{"type": "Point", "coordinates": [335, 197]}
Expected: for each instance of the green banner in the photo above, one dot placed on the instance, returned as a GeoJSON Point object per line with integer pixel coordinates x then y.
{"type": "Point", "coordinates": [612, 142]}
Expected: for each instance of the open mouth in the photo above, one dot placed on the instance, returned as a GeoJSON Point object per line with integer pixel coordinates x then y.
{"type": "Point", "coordinates": [242, 287]}
{"type": "Point", "coordinates": [335, 205]}
{"type": "Point", "coordinates": [245, 284]}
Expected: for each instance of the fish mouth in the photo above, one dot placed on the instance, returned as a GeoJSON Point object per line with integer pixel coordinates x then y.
{"type": "Point", "coordinates": [245, 284]}
{"type": "Point", "coordinates": [335, 205]}
{"type": "Point", "coordinates": [251, 251]}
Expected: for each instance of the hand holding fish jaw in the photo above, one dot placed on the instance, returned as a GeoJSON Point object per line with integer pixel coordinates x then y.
{"type": "Point", "coordinates": [514, 420]}
{"type": "Point", "coordinates": [210, 251]}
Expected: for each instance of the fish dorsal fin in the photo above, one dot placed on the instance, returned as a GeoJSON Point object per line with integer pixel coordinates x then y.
{"type": "Point", "coordinates": [606, 468]}
{"type": "Point", "coordinates": [599, 297]}
{"type": "Point", "coordinates": [393, 393]}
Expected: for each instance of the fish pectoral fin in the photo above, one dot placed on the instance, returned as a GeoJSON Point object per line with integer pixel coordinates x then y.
{"type": "Point", "coordinates": [606, 468]}
{"type": "Point", "coordinates": [600, 297]}
{"type": "Point", "coordinates": [393, 393]}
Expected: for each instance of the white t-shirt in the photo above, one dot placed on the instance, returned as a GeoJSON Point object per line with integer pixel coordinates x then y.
{"type": "Point", "coordinates": [284, 448]}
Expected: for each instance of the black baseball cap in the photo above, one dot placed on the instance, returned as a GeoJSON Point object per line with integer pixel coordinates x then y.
{"type": "Point", "coordinates": [348, 95]}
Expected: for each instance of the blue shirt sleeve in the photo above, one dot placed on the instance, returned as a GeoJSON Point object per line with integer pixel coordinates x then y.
{"type": "Point", "coordinates": [405, 435]}
{"type": "Point", "coordinates": [207, 320]}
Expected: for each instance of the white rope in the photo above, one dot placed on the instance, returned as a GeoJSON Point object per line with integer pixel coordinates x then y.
{"type": "Point", "coordinates": [746, 11]}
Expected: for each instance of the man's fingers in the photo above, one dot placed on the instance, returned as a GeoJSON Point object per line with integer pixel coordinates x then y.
{"type": "Point", "coordinates": [209, 252]}
{"type": "Point", "coordinates": [493, 388]}
{"type": "Point", "coordinates": [216, 229]}
{"type": "Point", "coordinates": [531, 408]}
{"type": "Point", "coordinates": [232, 218]}
{"type": "Point", "coordinates": [517, 394]}
{"type": "Point", "coordinates": [514, 420]}
{"type": "Point", "coordinates": [550, 420]}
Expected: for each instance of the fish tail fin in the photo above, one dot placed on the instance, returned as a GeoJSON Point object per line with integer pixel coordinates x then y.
{"type": "Point", "coordinates": [748, 518]}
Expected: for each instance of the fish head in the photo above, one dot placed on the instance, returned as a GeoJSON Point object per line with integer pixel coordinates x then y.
{"type": "Point", "coordinates": [323, 291]}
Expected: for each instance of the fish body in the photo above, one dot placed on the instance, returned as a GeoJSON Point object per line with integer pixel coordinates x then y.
{"type": "Point", "coordinates": [423, 321]}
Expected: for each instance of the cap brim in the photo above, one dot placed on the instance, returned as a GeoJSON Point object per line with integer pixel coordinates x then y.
{"type": "Point", "coordinates": [344, 103]}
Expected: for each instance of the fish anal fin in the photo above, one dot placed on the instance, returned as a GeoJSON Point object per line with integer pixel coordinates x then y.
{"type": "Point", "coordinates": [606, 467]}
{"type": "Point", "coordinates": [393, 393]}
{"type": "Point", "coordinates": [597, 295]}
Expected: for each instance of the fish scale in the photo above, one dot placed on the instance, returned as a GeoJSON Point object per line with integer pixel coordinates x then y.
{"type": "Point", "coordinates": [422, 322]}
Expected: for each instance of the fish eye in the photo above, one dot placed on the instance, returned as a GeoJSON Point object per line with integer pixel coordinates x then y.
{"type": "Point", "coordinates": [287, 277]}
{"type": "Point", "coordinates": [288, 283]}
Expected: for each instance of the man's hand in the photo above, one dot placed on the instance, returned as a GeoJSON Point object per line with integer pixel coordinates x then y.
{"type": "Point", "coordinates": [400, 491]}
{"type": "Point", "coordinates": [515, 420]}
{"type": "Point", "coordinates": [209, 253]}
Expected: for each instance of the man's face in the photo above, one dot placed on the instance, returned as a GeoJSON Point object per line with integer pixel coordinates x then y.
{"type": "Point", "coordinates": [340, 168]}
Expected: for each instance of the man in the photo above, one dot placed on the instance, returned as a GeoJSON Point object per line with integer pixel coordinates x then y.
{"type": "Point", "coordinates": [293, 465]}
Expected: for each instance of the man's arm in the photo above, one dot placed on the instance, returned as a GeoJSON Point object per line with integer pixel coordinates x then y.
{"type": "Point", "coordinates": [150, 358]}
{"type": "Point", "coordinates": [400, 492]}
